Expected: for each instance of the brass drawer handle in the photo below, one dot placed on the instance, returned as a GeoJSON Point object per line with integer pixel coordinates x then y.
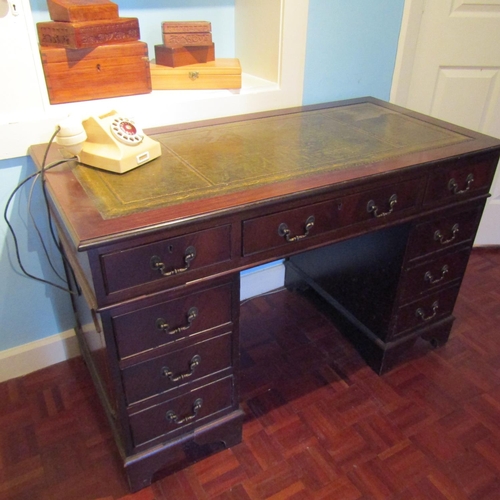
{"type": "Point", "coordinates": [438, 235]}
{"type": "Point", "coordinates": [285, 232]}
{"type": "Point", "coordinates": [192, 314]}
{"type": "Point", "coordinates": [158, 265]}
{"type": "Point", "coordinates": [171, 416]}
{"type": "Point", "coordinates": [420, 313]}
{"type": "Point", "coordinates": [193, 364]}
{"type": "Point", "coordinates": [453, 186]}
{"type": "Point", "coordinates": [193, 75]}
{"type": "Point", "coordinates": [428, 275]}
{"type": "Point", "coordinates": [372, 208]}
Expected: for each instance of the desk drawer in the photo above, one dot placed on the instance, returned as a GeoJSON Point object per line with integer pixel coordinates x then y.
{"type": "Point", "coordinates": [443, 233]}
{"type": "Point", "coordinates": [165, 322]}
{"type": "Point", "coordinates": [425, 311]}
{"type": "Point", "coordinates": [163, 259]}
{"type": "Point", "coordinates": [163, 373]}
{"type": "Point", "coordinates": [289, 227]}
{"type": "Point", "coordinates": [432, 275]}
{"type": "Point", "coordinates": [456, 180]}
{"type": "Point", "coordinates": [178, 413]}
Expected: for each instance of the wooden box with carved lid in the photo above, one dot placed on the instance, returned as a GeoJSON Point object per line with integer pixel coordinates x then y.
{"type": "Point", "coordinates": [75, 11]}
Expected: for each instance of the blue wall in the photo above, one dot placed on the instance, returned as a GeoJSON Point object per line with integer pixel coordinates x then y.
{"type": "Point", "coordinates": [351, 48]}
{"type": "Point", "coordinates": [29, 310]}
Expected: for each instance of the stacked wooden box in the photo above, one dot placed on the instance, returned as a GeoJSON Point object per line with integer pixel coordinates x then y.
{"type": "Point", "coordinates": [186, 60]}
{"type": "Point", "coordinates": [184, 43]}
{"type": "Point", "coordinates": [89, 52]}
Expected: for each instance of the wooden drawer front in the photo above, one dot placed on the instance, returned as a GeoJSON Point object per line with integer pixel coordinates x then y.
{"type": "Point", "coordinates": [159, 260]}
{"type": "Point", "coordinates": [459, 179]}
{"type": "Point", "coordinates": [443, 233]}
{"type": "Point", "coordinates": [425, 311]}
{"type": "Point", "coordinates": [179, 367]}
{"type": "Point", "coordinates": [287, 228]}
{"type": "Point", "coordinates": [431, 275]}
{"type": "Point", "coordinates": [190, 408]}
{"type": "Point", "coordinates": [146, 328]}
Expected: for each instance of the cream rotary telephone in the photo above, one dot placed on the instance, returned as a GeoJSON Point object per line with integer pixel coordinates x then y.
{"type": "Point", "coordinates": [109, 142]}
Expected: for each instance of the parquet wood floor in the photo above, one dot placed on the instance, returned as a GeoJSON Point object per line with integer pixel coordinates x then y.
{"type": "Point", "coordinates": [319, 423]}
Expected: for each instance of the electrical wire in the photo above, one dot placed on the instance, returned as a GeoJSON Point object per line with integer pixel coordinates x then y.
{"type": "Point", "coordinates": [40, 237]}
{"type": "Point", "coordinates": [37, 175]}
{"type": "Point", "coordinates": [49, 216]}
{"type": "Point", "coordinates": [45, 194]}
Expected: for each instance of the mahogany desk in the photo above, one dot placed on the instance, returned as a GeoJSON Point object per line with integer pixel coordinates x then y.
{"type": "Point", "coordinates": [373, 206]}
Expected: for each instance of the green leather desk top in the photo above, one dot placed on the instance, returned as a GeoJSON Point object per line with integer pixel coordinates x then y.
{"type": "Point", "coordinates": [218, 159]}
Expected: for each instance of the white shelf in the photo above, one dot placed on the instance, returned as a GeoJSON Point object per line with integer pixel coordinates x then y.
{"type": "Point", "coordinates": [276, 83]}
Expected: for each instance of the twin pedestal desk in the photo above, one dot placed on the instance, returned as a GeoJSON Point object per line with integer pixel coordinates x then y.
{"type": "Point", "coordinates": [374, 207]}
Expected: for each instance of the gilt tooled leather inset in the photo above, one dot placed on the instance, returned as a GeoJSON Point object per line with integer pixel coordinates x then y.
{"type": "Point", "coordinates": [220, 159]}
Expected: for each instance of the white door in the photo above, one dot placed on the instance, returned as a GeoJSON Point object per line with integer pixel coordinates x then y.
{"type": "Point", "coordinates": [448, 66]}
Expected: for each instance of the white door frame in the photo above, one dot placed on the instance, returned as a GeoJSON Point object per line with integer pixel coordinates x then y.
{"type": "Point", "coordinates": [405, 58]}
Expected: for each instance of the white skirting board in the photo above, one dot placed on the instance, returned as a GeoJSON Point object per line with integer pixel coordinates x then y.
{"type": "Point", "coordinates": [34, 356]}
{"type": "Point", "coordinates": [262, 279]}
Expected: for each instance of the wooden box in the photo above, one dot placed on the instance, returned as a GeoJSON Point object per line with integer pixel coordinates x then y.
{"type": "Point", "coordinates": [74, 11]}
{"type": "Point", "coordinates": [186, 27]}
{"type": "Point", "coordinates": [182, 56]}
{"type": "Point", "coordinates": [186, 33]}
{"type": "Point", "coordinates": [88, 33]}
{"type": "Point", "coordinates": [105, 71]}
{"type": "Point", "coordinates": [175, 39]}
{"type": "Point", "coordinates": [217, 74]}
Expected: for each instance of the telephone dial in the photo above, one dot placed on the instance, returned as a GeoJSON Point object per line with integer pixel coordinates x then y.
{"type": "Point", "coordinates": [110, 142]}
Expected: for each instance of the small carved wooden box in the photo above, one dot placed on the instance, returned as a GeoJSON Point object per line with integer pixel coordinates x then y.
{"type": "Point", "coordinates": [88, 34]}
{"type": "Point", "coordinates": [75, 11]}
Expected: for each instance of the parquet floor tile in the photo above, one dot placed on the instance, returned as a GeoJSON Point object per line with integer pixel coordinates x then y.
{"type": "Point", "coordinates": [319, 424]}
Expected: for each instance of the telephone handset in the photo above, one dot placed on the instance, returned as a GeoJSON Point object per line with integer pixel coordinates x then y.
{"type": "Point", "coordinates": [110, 142]}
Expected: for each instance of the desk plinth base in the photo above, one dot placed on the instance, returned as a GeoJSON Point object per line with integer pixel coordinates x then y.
{"type": "Point", "coordinates": [384, 356]}
{"type": "Point", "coordinates": [379, 355]}
{"type": "Point", "coordinates": [144, 468]}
